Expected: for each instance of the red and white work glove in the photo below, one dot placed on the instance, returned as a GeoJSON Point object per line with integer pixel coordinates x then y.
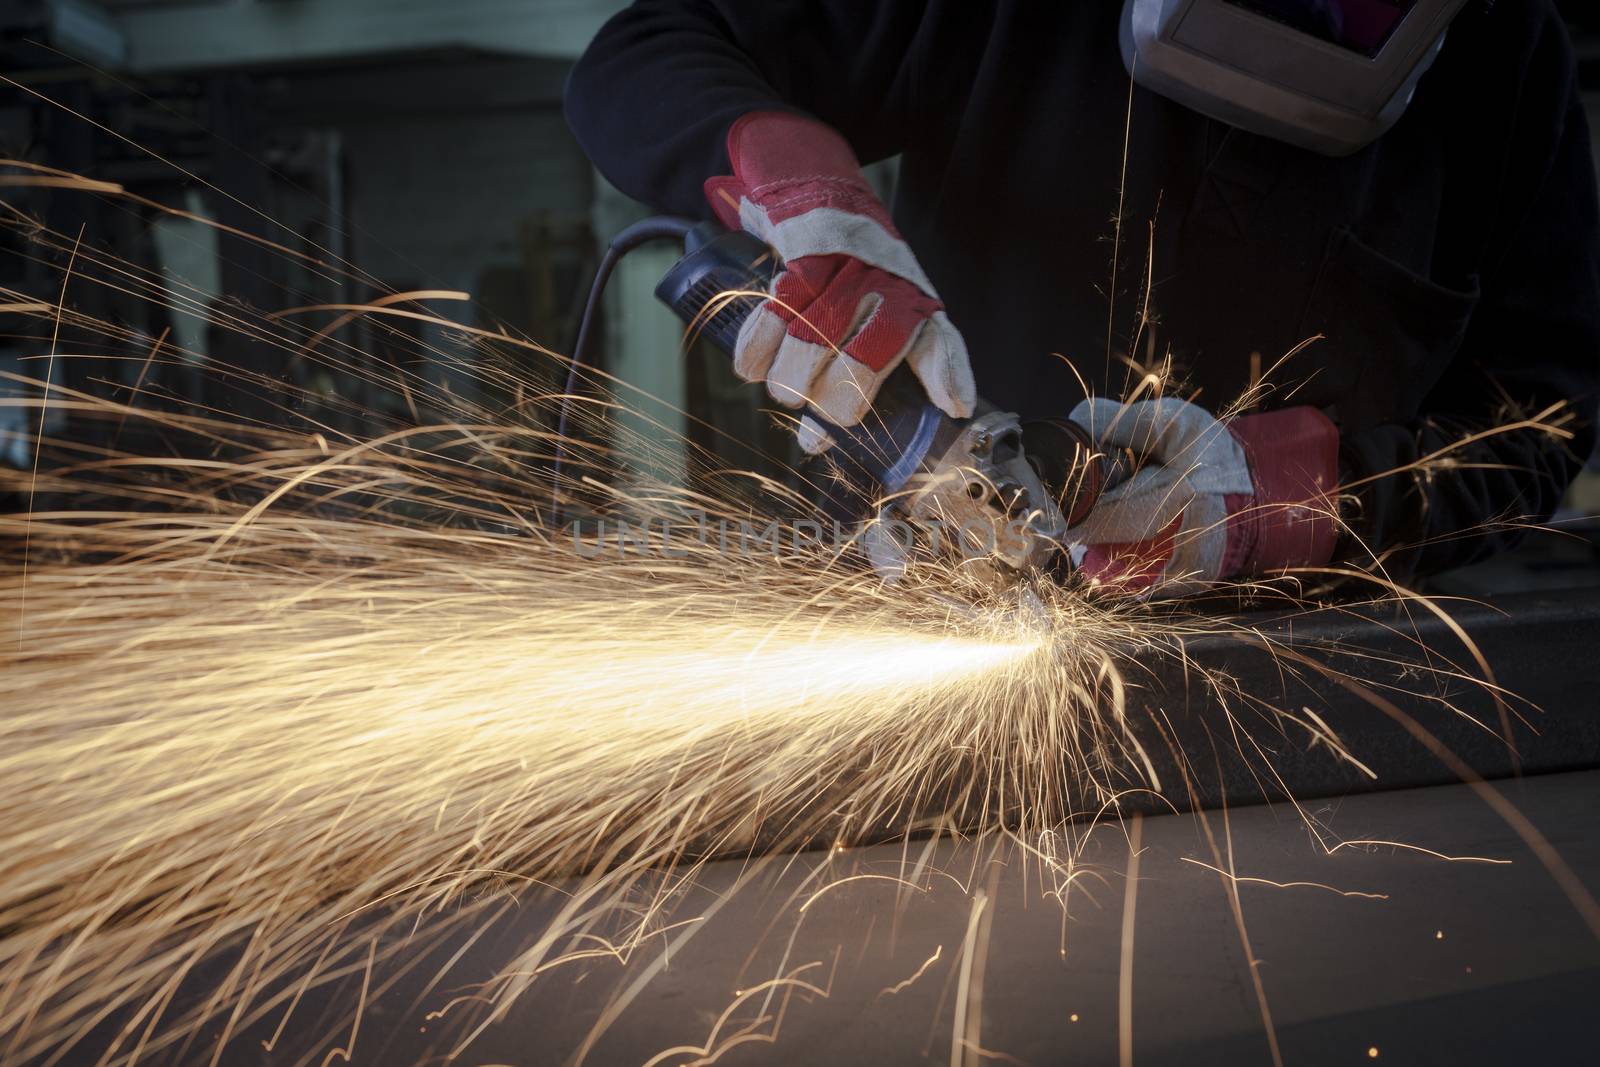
{"type": "Point", "coordinates": [1212, 501]}
{"type": "Point", "coordinates": [852, 302]}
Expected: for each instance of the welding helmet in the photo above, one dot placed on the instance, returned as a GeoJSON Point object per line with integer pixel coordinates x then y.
{"type": "Point", "coordinates": [1327, 75]}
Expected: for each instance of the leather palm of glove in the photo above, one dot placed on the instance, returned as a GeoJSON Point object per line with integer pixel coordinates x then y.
{"type": "Point", "coordinates": [852, 303]}
{"type": "Point", "coordinates": [1212, 501]}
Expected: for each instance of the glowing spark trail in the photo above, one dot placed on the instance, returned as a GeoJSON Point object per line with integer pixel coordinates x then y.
{"type": "Point", "coordinates": [906, 983]}
{"type": "Point", "coordinates": [1130, 900]}
{"type": "Point", "coordinates": [1238, 879]}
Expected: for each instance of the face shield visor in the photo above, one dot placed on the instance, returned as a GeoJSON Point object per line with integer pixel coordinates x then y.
{"type": "Point", "coordinates": [1327, 75]}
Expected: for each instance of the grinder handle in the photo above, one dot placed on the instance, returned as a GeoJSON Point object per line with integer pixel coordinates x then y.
{"type": "Point", "coordinates": [723, 277]}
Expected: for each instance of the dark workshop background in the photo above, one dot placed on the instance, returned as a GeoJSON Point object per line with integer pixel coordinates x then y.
{"type": "Point", "coordinates": [422, 141]}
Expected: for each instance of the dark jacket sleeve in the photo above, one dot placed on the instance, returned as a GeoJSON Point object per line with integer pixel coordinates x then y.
{"type": "Point", "coordinates": [1533, 341]}
{"type": "Point", "coordinates": [652, 99]}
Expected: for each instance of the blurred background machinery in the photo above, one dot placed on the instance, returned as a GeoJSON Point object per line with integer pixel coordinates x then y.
{"type": "Point", "coordinates": [425, 144]}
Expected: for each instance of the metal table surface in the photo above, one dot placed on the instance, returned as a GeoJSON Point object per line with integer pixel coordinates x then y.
{"type": "Point", "coordinates": [1437, 961]}
{"type": "Point", "coordinates": [1426, 959]}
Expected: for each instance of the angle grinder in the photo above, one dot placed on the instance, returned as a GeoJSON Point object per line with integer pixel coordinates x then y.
{"type": "Point", "coordinates": [999, 490]}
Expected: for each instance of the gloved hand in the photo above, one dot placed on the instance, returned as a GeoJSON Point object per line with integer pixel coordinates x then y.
{"type": "Point", "coordinates": [852, 301]}
{"type": "Point", "coordinates": [1212, 501]}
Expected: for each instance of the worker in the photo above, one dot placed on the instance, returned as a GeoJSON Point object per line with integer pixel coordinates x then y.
{"type": "Point", "coordinates": [1064, 235]}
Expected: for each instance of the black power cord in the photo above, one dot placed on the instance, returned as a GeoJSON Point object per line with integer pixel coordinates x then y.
{"type": "Point", "coordinates": [655, 228]}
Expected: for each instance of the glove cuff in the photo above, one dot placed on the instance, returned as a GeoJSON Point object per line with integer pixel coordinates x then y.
{"type": "Point", "coordinates": [1294, 466]}
{"type": "Point", "coordinates": [787, 165]}
{"type": "Point", "coordinates": [797, 185]}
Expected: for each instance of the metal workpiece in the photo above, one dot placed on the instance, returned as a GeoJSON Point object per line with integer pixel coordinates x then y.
{"type": "Point", "coordinates": [1393, 681]}
{"type": "Point", "coordinates": [1279, 707]}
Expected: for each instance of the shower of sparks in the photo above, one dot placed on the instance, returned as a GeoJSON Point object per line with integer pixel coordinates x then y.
{"type": "Point", "coordinates": [265, 731]}
{"type": "Point", "coordinates": [281, 697]}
